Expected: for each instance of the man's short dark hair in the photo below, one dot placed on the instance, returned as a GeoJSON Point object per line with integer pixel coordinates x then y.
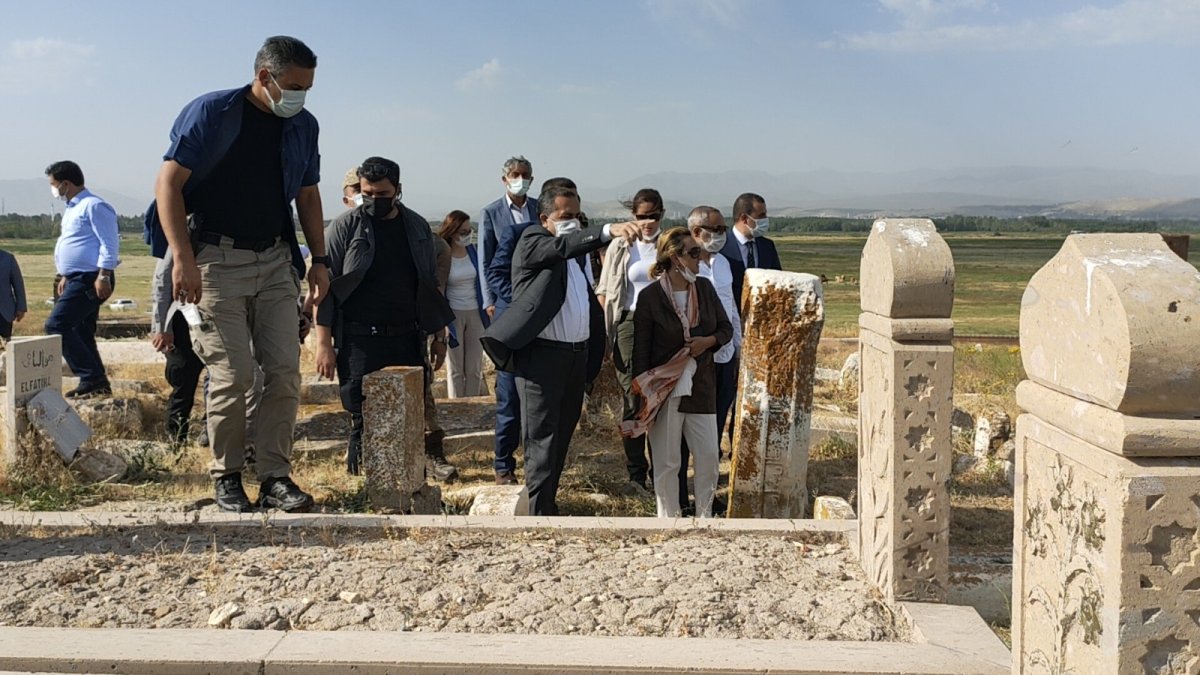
{"type": "Point", "coordinates": [375, 169]}
{"type": "Point", "coordinates": [558, 181]}
{"type": "Point", "coordinates": [66, 170]}
{"type": "Point", "coordinates": [548, 197]}
{"type": "Point", "coordinates": [281, 52]}
{"type": "Point", "coordinates": [744, 204]}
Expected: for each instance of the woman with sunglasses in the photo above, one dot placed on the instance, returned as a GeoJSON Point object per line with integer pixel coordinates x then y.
{"type": "Point", "coordinates": [464, 361]}
{"type": "Point", "coordinates": [679, 324]}
{"type": "Point", "coordinates": [625, 273]}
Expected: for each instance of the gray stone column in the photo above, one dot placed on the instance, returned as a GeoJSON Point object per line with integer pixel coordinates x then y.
{"type": "Point", "coordinates": [783, 314]}
{"type": "Point", "coordinates": [1106, 549]}
{"type": "Point", "coordinates": [394, 442]}
{"type": "Point", "coordinates": [904, 408]}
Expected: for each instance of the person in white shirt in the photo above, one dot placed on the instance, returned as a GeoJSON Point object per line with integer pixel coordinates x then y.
{"type": "Point", "coordinates": [708, 228]}
{"type": "Point", "coordinates": [464, 362]}
{"type": "Point", "coordinates": [625, 274]}
{"type": "Point", "coordinates": [543, 337]}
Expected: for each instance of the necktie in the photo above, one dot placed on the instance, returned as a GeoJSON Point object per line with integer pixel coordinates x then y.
{"type": "Point", "coordinates": [750, 260]}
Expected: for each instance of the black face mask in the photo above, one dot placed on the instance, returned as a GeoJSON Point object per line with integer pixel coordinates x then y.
{"type": "Point", "coordinates": [378, 207]}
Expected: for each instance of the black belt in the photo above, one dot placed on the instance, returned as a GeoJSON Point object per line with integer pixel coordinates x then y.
{"type": "Point", "coordinates": [256, 245]}
{"type": "Point", "coordinates": [555, 344]}
{"type": "Point", "coordinates": [379, 329]}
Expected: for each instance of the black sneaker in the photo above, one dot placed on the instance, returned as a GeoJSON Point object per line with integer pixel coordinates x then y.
{"type": "Point", "coordinates": [230, 494]}
{"type": "Point", "coordinates": [283, 494]}
{"type": "Point", "coordinates": [441, 469]}
{"type": "Point", "coordinates": [93, 390]}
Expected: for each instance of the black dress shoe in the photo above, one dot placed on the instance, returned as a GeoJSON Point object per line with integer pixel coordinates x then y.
{"type": "Point", "coordinates": [92, 390]}
{"type": "Point", "coordinates": [231, 496]}
{"type": "Point", "coordinates": [506, 478]}
{"type": "Point", "coordinates": [283, 494]}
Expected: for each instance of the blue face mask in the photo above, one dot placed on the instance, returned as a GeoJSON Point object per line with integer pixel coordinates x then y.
{"type": "Point", "coordinates": [761, 226]}
{"type": "Point", "coordinates": [290, 103]}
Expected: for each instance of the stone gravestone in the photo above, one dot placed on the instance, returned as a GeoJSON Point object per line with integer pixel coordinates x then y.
{"type": "Point", "coordinates": [783, 314]}
{"type": "Point", "coordinates": [904, 410]}
{"type": "Point", "coordinates": [31, 365]}
{"type": "Point", "coordinates": [1106, 566]}
{"type": "Point", "coordinates": [394, 442]}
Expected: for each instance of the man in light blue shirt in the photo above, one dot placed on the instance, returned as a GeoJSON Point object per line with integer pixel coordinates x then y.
{"type": "Point", "coordinates": [85, 257]}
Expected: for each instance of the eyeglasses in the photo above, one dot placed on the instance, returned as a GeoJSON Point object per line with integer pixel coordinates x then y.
{"type": "Point", "coordinates": [694, 252]}
{"type": "Point", "coordinates": [649, 216]}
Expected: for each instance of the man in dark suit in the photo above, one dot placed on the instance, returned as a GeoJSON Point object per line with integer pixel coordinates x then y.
{"type": "Point", "coordinates": [12, 293]}
{"type": "Point", "coordinates": [543, 336]}
{"type": "Point", "coordinates": [749, 246]}
{"type": "Point", "coordinates": [514, 209]}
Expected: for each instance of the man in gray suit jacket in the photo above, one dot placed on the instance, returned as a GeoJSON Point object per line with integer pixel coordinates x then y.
{"type": "Point", "coordinates": [514, 209]}
{"type": "Point", "coordinates": [12, 293]}
{"type": "Point", "coordinates": [542, 338]}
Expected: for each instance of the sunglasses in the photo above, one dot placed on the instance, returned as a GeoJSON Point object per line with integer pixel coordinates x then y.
{"type": "Point", "coordinates": [376, 172]}
{"type": "Point", "coordinates": [694, 252]}
{"type": "Point", "coordinates": [649, 216]}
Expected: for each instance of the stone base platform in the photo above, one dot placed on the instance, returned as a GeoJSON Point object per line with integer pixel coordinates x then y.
{"type": "Point", "coordinates": [945, 639]}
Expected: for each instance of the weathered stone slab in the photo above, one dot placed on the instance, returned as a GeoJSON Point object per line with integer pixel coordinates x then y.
{"type": "Point", "coordinates": [832, 508]}
{"type": "Point", "coordinates": [907, 270]}
{"type": "Point", "coordinates": [99, 466]}
{"type": "Point", "coordinates": [316, 392]}
{"type": "Point", "coordinates": [393, 438]}
{"type": "Point", "coordinates": [905, 409]}
{"type": "Point", "coordinates": [1114, 319]}
{"type": "Point", "coordinates": [501, 500]}
{"type": "Point", "coordinates": [58, 422]}
{"type": "Point", "coordinates": [783, 314]}
{"type": "Point", "coordinates": [1106, 572]}
{"type": "Point", "coordinates": [31, 364]}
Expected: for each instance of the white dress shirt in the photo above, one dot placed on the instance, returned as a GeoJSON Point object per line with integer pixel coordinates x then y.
{"type": "Point", "coordinates": [520, 214]}
{"type": "Point", "coordinates": [573, 321]}
{"type": "Point", "coordinates": [718, 272]}
{"type": "Point", "coordinates": [641, 258]}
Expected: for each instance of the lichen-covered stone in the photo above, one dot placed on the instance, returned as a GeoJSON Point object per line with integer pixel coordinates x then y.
{"type": "Point", "coordinates": [783, 314]}
{"type": "Point", "coordinates": [393, 438]}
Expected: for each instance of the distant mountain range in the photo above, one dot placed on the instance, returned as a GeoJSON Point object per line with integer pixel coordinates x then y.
{"type": "Point", "coordinates": [1014, 191]}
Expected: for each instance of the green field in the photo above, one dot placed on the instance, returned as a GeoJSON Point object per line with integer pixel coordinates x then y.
{"type": "Point", "coordinates": [992, 272]}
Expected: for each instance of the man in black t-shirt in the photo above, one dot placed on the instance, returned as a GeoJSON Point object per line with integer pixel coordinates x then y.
{"type": "Point", "coordinates": [384, 298]}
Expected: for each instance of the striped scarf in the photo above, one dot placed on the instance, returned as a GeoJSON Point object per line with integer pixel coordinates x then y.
{"type": "Point", "coordinates": [655, 385]}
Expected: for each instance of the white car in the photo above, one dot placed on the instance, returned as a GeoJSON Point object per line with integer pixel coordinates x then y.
{"type": "Point", "coordinates": [122, 305]}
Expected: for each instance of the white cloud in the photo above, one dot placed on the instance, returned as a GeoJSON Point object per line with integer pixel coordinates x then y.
{"type": "Point", "coordinates": [488, 76]}
{"type": "Point", "coordinates": [1124, 23]}
{"type": "Point", "coordinates": [28, 65]}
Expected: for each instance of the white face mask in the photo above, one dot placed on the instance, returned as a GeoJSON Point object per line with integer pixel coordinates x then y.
{"type": "Point", "coordinates": [652, 237]}
{"type": "Point", "coordinates": [566, 226]}
{"type": "Point", "coordinates": [715, 244]}
{"type": "Point", "coordinates": [761, 225]}
{"type": "Point", "coordinates": [358, 199]}
{"type": "Point", "coordinates": [688, 275]}
{"type": "Point", "coordinates": [517, 187]}
{"type": "Point", "coordinates": [465, 239]}
{"type": "Point", "coordinates": [290, 102]}
{"type": "Point", "coordinates": [56, 194]}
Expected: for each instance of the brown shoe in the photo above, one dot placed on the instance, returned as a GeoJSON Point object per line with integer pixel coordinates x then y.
{"type": "Point", "coordinates": [506, 478]}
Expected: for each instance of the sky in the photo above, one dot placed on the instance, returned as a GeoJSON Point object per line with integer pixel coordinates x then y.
{"type": "Point", "coordinates": [608, 91]}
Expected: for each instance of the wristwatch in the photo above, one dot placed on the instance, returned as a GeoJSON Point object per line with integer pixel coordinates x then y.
{"type": "Point", "coordinates": [321, 260]}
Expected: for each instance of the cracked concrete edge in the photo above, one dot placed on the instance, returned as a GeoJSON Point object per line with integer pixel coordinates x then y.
{"type": "Point", "coordinates": [194, 651]}
{"type": "Point", "coordinates": [631, 525]}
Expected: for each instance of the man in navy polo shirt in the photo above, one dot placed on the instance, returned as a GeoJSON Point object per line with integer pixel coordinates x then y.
{"type": "Point", "coordinates": [238, 159]}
